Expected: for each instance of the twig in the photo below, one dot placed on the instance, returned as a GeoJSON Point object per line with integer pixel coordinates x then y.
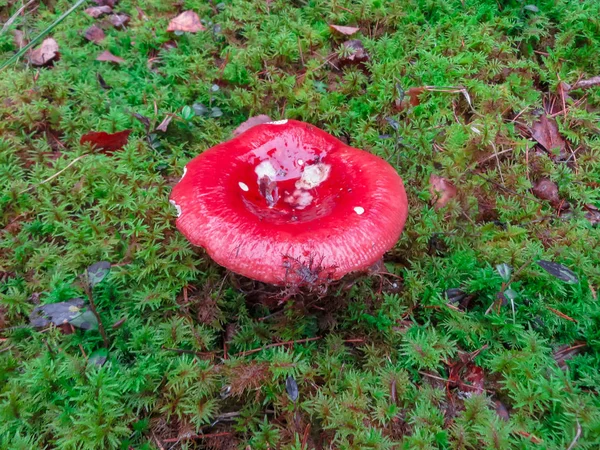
{"type": "Point", "coordinates": [434, 377]}
{"type": "Point", "coordinates": [585, 84]}
{"type": "Point", "coordinates": [55, 175]}
{"type": "Point", "coordinates": [576, 438]}
{"type": "Point", "coordinates": [188, 352]}
{"type": "Point", "coordinates": [88, 292]}
{"type": "Point", "coordinates": [10, 21]}
{"type": "Point", "coordinates": [279, 344]}
{"type": "Point", "coordinates": [198, 436]}
{"type": "Point", "coordinates": [559, 314]}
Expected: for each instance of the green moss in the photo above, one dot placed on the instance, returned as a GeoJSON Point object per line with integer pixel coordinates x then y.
{"type": "Point", "coordinates": [377, 376]}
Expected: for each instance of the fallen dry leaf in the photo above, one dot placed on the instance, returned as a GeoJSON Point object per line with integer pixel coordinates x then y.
{"type": "Point", "coordinates": [441, 190]}
{"type": "Point", "coordinates": [46, 53]}
{"type": "Point", "coordinates": [106, 142]}
{"type": "Point", "coordinates": [565, 352]}
{"type": "Point", "coordinates": [545, 189]}
{"type": "Point", "coordinates": [251, 122]}
{"type": "Point", "coordinates": [186, 21]}
{"type": "Point", "coordinates": [119, 20]}
{"type": "Point", "coordinates": [94, 34]}
{"type": "Point", "coordinates": [592, 213]}
{"type": "Point", "coordinates": [165, 123]}
{"type": "Point", "coordinates": [109, 57]}
{"type": "Point", "coordinates": [346, 31]}
{"type": "Point", "coordinates": [354, 53]}
{"type": "Point", "coordinates": [98, 11]}
{"type": "Point", "coordinates": [545, 132]}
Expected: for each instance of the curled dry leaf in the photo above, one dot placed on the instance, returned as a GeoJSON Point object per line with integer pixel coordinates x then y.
{"type": "Point", "coordinates": [106, 142]}
{"type": "Point", "coordinates": [441, 190]}
{"type": "Point", "coordinates": [186, 21]}
{"type": "Point", "coordinates": [109, 57]}
{"type": "Point", "coordinates": [346, 31]}
{"type": "Point", "coordinates": [165, 123]}
{"type": "Point", "coordinates": [46, 53]}
{"type": "Point", "coordinates": [98, 11]}
{"type": "Point", "coordinates": [94, 34]}
{"type": "Point", "coordinates": [545, 132]}
{"type": "Point", "coordinates": [545, 189]}
{"type": "Point", "coordinates": [251, 122]}
{"type": "Point", "coordinates": [119, 20]}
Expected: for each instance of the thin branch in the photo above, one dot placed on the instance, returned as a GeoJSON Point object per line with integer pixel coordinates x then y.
{"type": "Point", "coordinates": [55, 175]}
{"type": "Point", "coordinates": [279, 344]}
{"type": "Point", "coordinates": [585, 84]}
{"type": "Point", "coordinates": [197, 436]}
{"type": "Point", "coordinates": [576, 438]}
{"type": "Point", "coordinates": [88, 291]}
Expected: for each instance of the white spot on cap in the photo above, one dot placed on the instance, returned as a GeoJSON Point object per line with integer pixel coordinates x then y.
{"type": "Point", "coordinates": [299, 199]}
{"type": "Point", "coordinates": [243, 186]}
{"type": "Point", "coordinates": [314, 175]}
{"type": "Point", "coordinates": [266, 169]}
{"type": "Point", "coordinates": [177, 207]}
{"type": "Point", "coordinates": [300, 162]}
{"type": "Point", "coordinates": [359, 210]}
{"type": "Point", "coordinates": [278, 122]}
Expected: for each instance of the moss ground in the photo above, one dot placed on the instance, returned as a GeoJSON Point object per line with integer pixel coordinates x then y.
{"type": "Point", "coordinates": [451, 352]}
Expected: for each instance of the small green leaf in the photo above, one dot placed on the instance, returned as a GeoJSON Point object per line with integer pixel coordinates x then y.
{"type": "Point", "coordinates": [531, 8]}
{"type": "Point", "coordinates": [86, 320]}
{"type": "Point", "coordinates": [559, 271]}
{"type": "Point", "coordinates": [97, 272]}
{"type": "Point", "coordinates": [98, 358]}
{"type": "Point", "coordinates": [187, 113]}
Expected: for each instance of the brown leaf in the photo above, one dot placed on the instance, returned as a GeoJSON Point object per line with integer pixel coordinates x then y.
{"type": "Point", "coordinates": [473, 379]}
{"type": "Point", "coordinates": [592, 214]}
{"type": "Point", "coordinates": [354, 53]}
{"type": "Point", "coordinates": [94, 34]}
{"type": "Point", "coordinates": [165, 123]}
{"type": "Point", "coordinates": [545, 132]}
{"type": "Point", "coordinates": [186, 21]}
{"type": "Point", "coordinates": [98, 11]}
{"type": "Point", "coordinates": [119, 20]}
{"type": "Point", "coordinates": [413, 93]}
{"type": "Point", "coordinates": [441, 190]}
{"type": "Point", "coordinates": [46, 53]}
{"type": "Point", "coordinates": [109, 57]}
{"type": "Point", "coordinates": [251, 122]}
{"type": "Point", "coordinates": [545, 189]}
{"type": "Point", "coordinates": [566, 352]}
{"type": "Point", "coordinates": [346, 31]}
{"type": "Point", "coordinates": [106, 142]}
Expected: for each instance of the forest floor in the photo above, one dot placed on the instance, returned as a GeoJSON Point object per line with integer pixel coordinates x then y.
{"type": "Point", "coordinates": [484, 332]}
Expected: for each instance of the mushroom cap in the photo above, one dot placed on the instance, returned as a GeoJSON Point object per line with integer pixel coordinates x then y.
{"type": "Point", "coordinates": [285, 202]}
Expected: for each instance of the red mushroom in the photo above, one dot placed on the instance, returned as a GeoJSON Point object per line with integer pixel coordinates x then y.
{"type": "Point", "coordinates": [285, 202]}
